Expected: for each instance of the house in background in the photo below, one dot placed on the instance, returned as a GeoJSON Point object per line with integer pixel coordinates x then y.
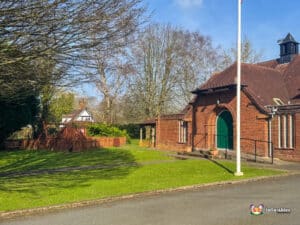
{"type": "Point", "coordinates": [270, 110]}
{"type": "Point", "coordinates": [79, 117]}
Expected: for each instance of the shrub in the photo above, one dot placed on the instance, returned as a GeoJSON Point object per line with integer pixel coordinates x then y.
{"type": "Point", "coordinates": [133, 130]}
{"type": "Point", "coordinates": [105, 130]}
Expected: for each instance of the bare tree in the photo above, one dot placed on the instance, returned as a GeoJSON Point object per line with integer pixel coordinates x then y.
{"type": "Point", "coordinates": [199, 59]}
{"type": "Point", "coordinates": [110, 77]}
{"type": "Point", "coordinates": [106, 64]}
{"type": "Point", "coordinates": [168, 63]}
{"type": "Point", "coordinates": [63, 26]}
{"type": "Point", "coordinates": [61, 30]}
{"type": "Point", "coordinates": [109, 70]}
{"type": "Point", "coordinates": [42, 43]}
{"type": "Point", "coordinates": [249, 55]}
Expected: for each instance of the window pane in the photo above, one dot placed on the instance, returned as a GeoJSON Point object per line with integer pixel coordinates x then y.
{"type": "Point", "coordinates": [279, 132]}
{"type": "Point", "coordinates": [182, 131]}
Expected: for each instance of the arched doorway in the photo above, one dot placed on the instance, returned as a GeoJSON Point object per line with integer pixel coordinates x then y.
{"type": "Point", "coordinates": [225, 130]}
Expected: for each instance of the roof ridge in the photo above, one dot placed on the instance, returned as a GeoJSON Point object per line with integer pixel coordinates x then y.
{"type": "Point", "coordinates": [266, 67]}
{"type": "Point", "coordinates": [270, 60]}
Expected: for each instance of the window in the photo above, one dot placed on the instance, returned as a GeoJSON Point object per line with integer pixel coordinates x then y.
{"type": "Point", "coordinates": [292, 46]}
{"type": "Point", "coordinates": [286, 131]}
{"type": "Point", "coordinates": [278, 101]}
{"type": "Point", "coordinates": [182, 131]}
{"type": "Point", "coordinates": [282, 49]}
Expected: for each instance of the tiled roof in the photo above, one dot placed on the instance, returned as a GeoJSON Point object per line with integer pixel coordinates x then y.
{"type": "Point", "coordinates": [271, 63]}
{"type": "Point", "coordinates": [292, 79]}
{"type": "Point", "coordinates": [73, 114]}
{"type": "Point", "coordinates": [172, 116]}
{"type": "Point", "coordinates": [262, 82]}
{"type": "Point", "coordinates": [288, 38]}
{"type": "Point", "coordinates": [151, 121]}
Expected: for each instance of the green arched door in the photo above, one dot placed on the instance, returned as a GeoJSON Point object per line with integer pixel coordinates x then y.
{"type": "Point", "coordinates": [225, 131]}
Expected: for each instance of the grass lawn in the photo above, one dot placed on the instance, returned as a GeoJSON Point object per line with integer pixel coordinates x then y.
{"type": "Point", "coordinates": [140, 170]}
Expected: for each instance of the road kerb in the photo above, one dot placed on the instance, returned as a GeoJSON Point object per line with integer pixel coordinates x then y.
{"type": "Point", "coordinates": [40, 210]}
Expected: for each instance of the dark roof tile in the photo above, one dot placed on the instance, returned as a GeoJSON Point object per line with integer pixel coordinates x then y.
{"type": "Point", "coordinates": [261, 82]}
{"type": "Point", "coordinates": [287, 39]}
{"type": "Point", "coordinates": [292, 79]}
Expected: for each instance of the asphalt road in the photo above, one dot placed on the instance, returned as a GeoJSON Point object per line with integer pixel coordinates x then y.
{"type": "Point", "coordinates": [224, 205]}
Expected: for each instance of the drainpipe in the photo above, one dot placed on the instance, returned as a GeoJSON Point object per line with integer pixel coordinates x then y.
{"type": "Point", "coordinates": [274, 109]}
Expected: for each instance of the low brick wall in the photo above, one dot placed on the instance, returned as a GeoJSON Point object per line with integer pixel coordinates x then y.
{"type": "Point", "coordinates": [72, 145]}
{"type": "Point", "coordinates": [109, 141]}
{"type": "Point", "coordinates": [287, 154]}
{"type": "Point", "coordinates": [174, 147]}
{"type": "Point", "coordinates": [62, 144]}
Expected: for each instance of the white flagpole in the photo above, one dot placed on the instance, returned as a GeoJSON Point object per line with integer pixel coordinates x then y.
{"type": "Point", "coordinates": [238, 96]}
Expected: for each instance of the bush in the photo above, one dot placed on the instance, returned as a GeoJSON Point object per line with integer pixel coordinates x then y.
{"type": "Point", "coordinates": [105, 130]}
{"type": "Point", "coordinates": [133, 130]}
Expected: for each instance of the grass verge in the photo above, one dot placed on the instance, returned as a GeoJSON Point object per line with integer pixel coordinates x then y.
{"type": "Point", "coordinates": [140, 170]}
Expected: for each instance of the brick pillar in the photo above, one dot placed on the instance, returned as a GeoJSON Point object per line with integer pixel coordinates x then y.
{"type": "Point", "coordinates": [157, 131]}
{"type": "Point", "coordinates": [193, 131]}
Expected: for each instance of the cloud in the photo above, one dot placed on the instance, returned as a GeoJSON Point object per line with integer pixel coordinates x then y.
{"type": "Point", "coordinates": [189, 3]}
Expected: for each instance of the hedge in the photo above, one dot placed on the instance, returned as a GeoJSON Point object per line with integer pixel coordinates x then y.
{"type": "Point", "coordinates": [105, 130]}
{"type": "Point", "coordinates": [133, 130]}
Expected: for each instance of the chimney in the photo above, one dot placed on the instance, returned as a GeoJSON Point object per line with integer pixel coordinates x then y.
{"type": "Point", "coordinates": [288, 49]}
{"type": "Point", "coordinates": [82, 104]}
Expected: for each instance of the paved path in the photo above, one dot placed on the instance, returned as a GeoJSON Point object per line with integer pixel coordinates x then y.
{"type": "Point", "coordinates": [278, 164]}
{"type": "Point", "coordinates": [218, 205]}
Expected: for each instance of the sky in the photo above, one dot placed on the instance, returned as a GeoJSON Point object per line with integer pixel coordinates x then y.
{"type": "Point", "coordinates": [264, 22]}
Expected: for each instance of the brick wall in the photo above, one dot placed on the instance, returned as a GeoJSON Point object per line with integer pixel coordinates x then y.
{"type": "Point", "coordinates": [167, 135]}
{"type": "Point", "coordinates": [290, 153]}
{"type": "Point", "coordinates": [103, 142]}
{"type": "Point", "coordinates": [63, 144]}
{"type": "Point", "coordinates": [254, 125]}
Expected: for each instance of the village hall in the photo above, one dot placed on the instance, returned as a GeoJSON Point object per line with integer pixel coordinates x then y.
{"type": "Point", "coordinates": [270, 111]}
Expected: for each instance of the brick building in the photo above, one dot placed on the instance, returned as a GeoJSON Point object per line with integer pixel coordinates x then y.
{"type": "Point", "coordinates": [270, 110]}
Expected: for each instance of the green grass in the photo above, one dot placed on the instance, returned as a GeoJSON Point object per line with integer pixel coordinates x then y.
{"type": "Point", "coordinates": [15, 161]}
{"type": "Point", "coordinates": [137, 174]}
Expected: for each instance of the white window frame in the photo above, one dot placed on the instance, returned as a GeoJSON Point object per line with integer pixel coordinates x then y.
{"type": "Point", "coordinates": [182, 131]}
{"type": "Point", "coordinates": [279, 131]}
{"type": "Point", "coordinates": [285, 131]}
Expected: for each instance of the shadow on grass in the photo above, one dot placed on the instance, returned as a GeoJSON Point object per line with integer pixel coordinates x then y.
{"type": "Point", "coordinates": [104, 164]}
{"type": "Point", "coordinates": [30, 160]}
{"type": "Point", "coordinates": [221, 165]}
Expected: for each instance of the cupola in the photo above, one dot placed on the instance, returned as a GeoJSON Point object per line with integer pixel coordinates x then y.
{"type": "Point", "coordinates": [288, 49]}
